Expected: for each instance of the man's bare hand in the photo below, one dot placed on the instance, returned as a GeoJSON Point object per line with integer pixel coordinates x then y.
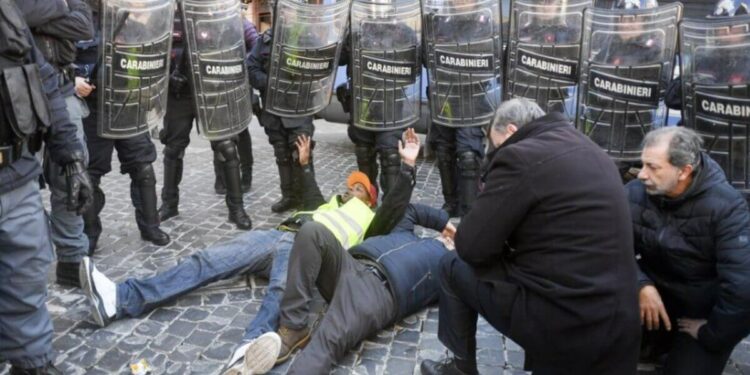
{"type": "Point", "coordinates": [83, 88]}
{"type": "Point", "coordinates": [652, 309]}
{"type": "Point", "coordinates": [303, 149]}
{"type": "Point", "coordinates": [449, 231]}
{"type": "Point", "coordinates": [409, 147]}
{"type": "Point", "coordinates": [691, 326]}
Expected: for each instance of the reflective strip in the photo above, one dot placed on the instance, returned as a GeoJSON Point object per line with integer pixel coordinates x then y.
{"type": "Point", "coordinates": [342, 236]}
{"type": "Point", "coordinates": [353, 224]}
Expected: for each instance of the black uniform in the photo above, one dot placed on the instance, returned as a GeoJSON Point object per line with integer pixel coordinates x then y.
{"type": "Point", "coordinates": [368, 145]}
{"type": "Point", "coordinates": [176, 136]}
{"type": "Point", "coordinates": [282, 131]}
{"type": "Point", "coordinates": [32, 109]}
{"type": "Point", "coordinates": [136, 155]}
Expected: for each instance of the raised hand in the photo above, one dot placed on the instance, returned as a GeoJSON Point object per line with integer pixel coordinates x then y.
{"type": "Point", "coordinates": [303, 148]}
{"type": "Point", "coordinates": [408, 148]}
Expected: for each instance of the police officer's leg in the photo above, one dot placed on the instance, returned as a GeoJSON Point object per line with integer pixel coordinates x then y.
{"type": "Point", "coordinates": [175, 137]}
{"type": "Point", "coordinates": [443, 143]}
{"type": "Point", "coordinates": [390, 161]}
{"type": "Point", "coordinates": [470, 152]}
{"type": "Point", "coordinates": [245, 149]}
{"type": "Point", "coordinates": [100, 163]}
{"type": "Point", "coordinates": [220, 186]}
{"type": "Point", "coordinates": [136, 155]}
{"type": "Point", "coordinates": [25, 326]}
{"type": "Point", "coordinates": [278, 139]}
{"type": "Point", "coordinates": [364, 151]}
{"type": "Point", "coordinates": [227, 150]}
{"type": "Point", "coordinates": [66, 227]}
{"type": "Point", "coordinates": [307, 129]}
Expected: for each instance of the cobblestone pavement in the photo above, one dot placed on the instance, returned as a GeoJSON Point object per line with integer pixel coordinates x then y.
{"type": "Point", "coordinates": [197, 333]}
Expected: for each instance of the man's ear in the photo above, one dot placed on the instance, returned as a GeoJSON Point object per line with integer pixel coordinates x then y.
{"type": "Point", "coordinates": [685, 172]}
{"type": "Point", "coordinates": [511, 128]}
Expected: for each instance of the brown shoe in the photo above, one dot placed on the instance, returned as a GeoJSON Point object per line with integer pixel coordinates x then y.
{"type": "Point", "coordinates": [291, 340]}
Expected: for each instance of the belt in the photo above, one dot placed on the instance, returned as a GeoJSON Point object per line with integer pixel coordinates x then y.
{"type": "Point", "coordinates": [375, 271]}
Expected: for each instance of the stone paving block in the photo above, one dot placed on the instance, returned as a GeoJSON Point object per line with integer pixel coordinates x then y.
{"type": "Point", "coordinates": [114, 360]}
{"type": "Point", "coordinates": [400, 366]}
{"type": "Point", "coordinates": [165, 343]}
{"type": "Point", "coordinates": [164, 315]}
{"type": "Point", "coordinates": [200, 338]}
{"type": "Point", "coordinates": [181, 328]}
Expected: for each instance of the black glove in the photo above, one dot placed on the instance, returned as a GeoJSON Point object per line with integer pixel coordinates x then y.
{"type": "Point", "coordinates": [80, 191]}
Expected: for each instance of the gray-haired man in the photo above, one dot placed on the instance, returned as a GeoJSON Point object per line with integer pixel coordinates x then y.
{"type": "Point", "coordinates": [692, 238]}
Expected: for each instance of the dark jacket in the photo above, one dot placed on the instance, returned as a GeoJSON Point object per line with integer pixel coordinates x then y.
{"type": "Point", "coordinates": [56, 28]}
{"type": "Point", "coordinates": [553, 222]}
{"type": "Point", "coordinates": [409, 262]}
{"type": "Point", "coordinates": [696, 250]}
{"type": "Point", "coordinates": [258, 63]}
{"type": "Point", "coordinates": [61, 140]}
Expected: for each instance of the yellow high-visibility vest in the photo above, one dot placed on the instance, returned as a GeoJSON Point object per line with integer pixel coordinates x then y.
{"type": "Point", "coordinates": [347, 222]}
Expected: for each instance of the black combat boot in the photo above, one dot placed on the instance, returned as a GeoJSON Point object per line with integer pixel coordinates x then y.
{"type": "Point", "coordinates": [170, 193]}
{"type": "Point", "coordinates": [288, 199]}
{"type": "Point", "coordinates": [245, 149]}
{"type": "Point", "coordinates": [235, 205]}
{"type": "Point", "coordinates": [468, 163]}
{"type": "Point", "coordinates": [92, 224]}
{"type": "Point", "coordinates": [447, 167]}
{"type": "Point", "coordinates": [143, 195]}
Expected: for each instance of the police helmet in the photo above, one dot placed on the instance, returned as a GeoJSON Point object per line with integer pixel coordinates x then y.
{"type": "Point", "coordinates": [730, 8]}
{"type": "Point", "coordinates": [636, 4]}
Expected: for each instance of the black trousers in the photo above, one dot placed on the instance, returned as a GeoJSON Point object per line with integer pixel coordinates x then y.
{"type": "Point", "coordinates": [462, 298]}
{"type": "Point", "coordinates": [458, 139]}
{"type": "Point", "coordinates": [381, 141]}
{"type": "Point", "coordinates": [685, 356]}
{"type": "Point", "coordinates": [360, 304]}
{"type": "Point", "coordinates": [130, 151]}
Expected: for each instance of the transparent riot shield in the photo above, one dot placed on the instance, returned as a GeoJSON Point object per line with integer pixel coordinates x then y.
{"type": "Point", "coordinates": [463, 53]}
{"type": "Point", "coordinates": [543, 51]}
{"type": "Point", "coordinates": [216, 55]}
{"type": "Point", "coordinates": [626, 63]}
{"type": "Point", "coordinates": [306, 45]}
{"type": "Point", "coordinates": [136, 41]}
{"type": "Point", "coordinates": [386, 65]}
{"type": "Point", "coordinates": [715, 66]}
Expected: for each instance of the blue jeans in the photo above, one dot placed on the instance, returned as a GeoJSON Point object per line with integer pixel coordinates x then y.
{"type": "Point", "coordinates": [25, 257]}
{"type": "Point", "coordinates": [259, 252]}
{"type": "Point", "coordinates": [67, 234]}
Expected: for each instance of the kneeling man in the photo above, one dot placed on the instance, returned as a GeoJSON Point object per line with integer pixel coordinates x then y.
{"type": "Point", "coordinates": [545, 255]}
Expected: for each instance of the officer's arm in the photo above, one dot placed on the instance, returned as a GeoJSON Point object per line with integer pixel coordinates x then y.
{"type": "Point", "coordinates": [729, 321]}
{"type": "Point", "coordinates": [76, 25]}
{"type": "Point", "coordinates": [61, 139]}
{"type": "Point", "coordinates": [40, 12]}
{"type": "Point", "coordinates": [256, 75]}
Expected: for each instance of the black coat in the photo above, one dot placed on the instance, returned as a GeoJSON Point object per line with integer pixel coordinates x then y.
{"type": "Point", "coordinates": [696, 250]}
{"type": "Point", "coordinates": [553, 219]}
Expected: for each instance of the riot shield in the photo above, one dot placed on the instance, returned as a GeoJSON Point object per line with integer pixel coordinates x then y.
{"type": "Point", "coordinates": [543, 51]}
{"type": "Point", "coordinates": [386, 68]}
{"type": "Point", "coordinates": [715, 58]}
{"type": "Point", "coordinates": [306, 45]}
{"type": "Point", "coordinates": [626, 64]}
{"type": "Point", "coordinates": [136, 40]}
{"type": "Point", "coordinates": [463, 54]}
{"type": "Point", "coordinates": [216, 55]}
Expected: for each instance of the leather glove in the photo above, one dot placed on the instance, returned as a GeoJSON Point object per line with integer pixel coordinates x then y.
{"type": "Point", "coordinates": [80, 191]}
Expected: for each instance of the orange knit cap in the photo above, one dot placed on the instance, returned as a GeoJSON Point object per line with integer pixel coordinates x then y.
{"type": "Point", "coordinates": [359, 177]}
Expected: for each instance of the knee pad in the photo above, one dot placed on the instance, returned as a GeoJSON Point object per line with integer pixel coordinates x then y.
{"type": "Point", "coordinates": [143, 174]}
{"type": "Point", "coordinates": [390, 159]}
{"type": "Point", "coordinates": [171, 152]}
{"type": "Point", "coordinates": [282, 153]}
{"type": "Point", "coordinates": [468, 164]}
{"type": "Point", "coordinates": [226, 150]}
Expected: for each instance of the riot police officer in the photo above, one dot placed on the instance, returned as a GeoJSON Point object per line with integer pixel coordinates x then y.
{"type": "Point", "coordinates": [136, 153]}
{"type": "Point", "coordinates": [33, 110]}
{"type": "Point", "coordinates": [282, 131]}
{"type": "Point", "coordinates": [56, 27]}
{"type": "Point", "coordinates": [176, 136]}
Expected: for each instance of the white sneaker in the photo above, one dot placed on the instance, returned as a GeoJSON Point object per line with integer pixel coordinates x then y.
{"type": "Point", "coordinates": [255, 357]}
{"type": "Point", "coordinates": [101, 292]}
